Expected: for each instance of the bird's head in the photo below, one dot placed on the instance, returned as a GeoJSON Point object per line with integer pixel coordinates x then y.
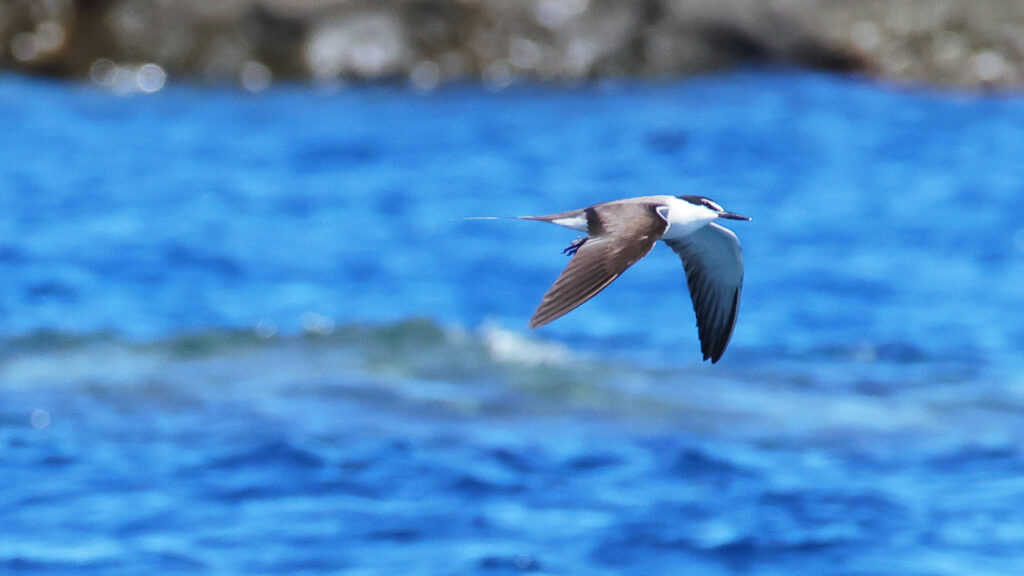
{"type": "Point", "coordinates": [713, 206]}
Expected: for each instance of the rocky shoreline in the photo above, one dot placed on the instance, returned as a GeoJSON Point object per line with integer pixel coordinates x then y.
{"type": "Point", "coordinates": [977, 44]}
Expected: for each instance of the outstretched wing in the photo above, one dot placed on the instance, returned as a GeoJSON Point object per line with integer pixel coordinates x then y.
{"type": "Point", "coordinates": [619, 235]}
{"type": "Point", "coordinates": [713, 261]}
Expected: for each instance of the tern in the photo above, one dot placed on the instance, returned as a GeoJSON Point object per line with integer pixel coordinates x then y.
{"type": "Point", "coordinates": [621, 232]}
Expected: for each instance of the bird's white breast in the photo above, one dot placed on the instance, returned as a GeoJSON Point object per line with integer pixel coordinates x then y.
{"type": "Point", "coordinates": [684, 218]}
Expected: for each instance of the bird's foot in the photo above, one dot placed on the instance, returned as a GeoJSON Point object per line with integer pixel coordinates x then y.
{"type": "Point", "coordinates": [571, 250]}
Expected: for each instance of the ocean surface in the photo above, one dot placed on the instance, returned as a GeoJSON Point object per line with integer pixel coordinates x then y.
{"type": "Point", "coordinates": [253, 333]}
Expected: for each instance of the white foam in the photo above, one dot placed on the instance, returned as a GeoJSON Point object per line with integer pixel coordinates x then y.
{"type": "Point", "coordinates": [508, 346]}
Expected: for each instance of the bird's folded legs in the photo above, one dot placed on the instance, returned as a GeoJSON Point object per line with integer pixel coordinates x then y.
{"type": "Point", "coordinates": [571, 250]}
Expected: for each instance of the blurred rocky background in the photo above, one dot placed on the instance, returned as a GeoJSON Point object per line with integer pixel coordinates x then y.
{"type": "Point", "coordinates": [132, 45]}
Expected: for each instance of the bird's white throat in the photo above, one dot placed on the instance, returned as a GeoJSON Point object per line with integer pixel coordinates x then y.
{"type": "Point", "coordinates": [684, 218]}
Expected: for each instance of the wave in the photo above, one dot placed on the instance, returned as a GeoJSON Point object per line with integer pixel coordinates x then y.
{"type": "Point", "coordinates": [418, 368]}
{"type": "Point", "coordinates": [417, 357]}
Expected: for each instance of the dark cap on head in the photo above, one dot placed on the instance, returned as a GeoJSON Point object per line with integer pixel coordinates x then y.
{"type": "Point", "coordinates": [712, 205]}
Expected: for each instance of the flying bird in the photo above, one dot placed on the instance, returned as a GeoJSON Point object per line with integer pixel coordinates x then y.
{"type": "Point", "coordinates": [621, 232]}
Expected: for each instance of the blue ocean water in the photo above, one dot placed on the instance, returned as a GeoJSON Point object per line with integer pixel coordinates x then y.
{"type": "Point", "coordinates": [253, 334]}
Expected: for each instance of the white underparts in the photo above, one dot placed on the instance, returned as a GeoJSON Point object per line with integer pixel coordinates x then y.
{"type": "Point", "coordinates": [684, 218]}
{"type": "Point", "coordinates": [578, 223]}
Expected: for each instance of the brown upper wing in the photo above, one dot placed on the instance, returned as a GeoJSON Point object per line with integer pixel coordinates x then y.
{"type": "Point", "coordinates": [619, 235]}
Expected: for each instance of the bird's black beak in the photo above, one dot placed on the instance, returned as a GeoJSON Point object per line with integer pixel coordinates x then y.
{"type": "Point", "coordinates": [732, 216]}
